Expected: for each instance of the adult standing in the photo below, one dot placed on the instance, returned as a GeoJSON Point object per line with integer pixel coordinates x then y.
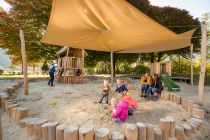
{"type": "Point", "coordinates": [51, 73]}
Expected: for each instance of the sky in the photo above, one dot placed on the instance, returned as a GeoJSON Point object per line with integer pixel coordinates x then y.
{"type": "Point", "coordinates": [195, 7]}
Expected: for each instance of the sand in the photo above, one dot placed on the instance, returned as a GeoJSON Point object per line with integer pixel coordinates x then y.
{"type": "Point", "coordinates": [75, 104]}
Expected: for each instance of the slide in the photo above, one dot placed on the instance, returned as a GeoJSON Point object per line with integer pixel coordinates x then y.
{"type": "Point", "coordinates": [169, 83]}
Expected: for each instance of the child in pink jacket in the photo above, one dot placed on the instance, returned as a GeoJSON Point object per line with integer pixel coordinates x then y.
{"type": "Point", "coordinates": [121, 110]}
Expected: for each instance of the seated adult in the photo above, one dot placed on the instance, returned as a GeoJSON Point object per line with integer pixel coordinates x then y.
{"type": "Point", "coordinates": [145, 82]}
{"type": "Point", "coordinates": [156, 86]}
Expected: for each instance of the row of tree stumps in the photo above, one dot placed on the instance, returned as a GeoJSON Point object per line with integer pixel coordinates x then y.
{"type": "Point", "coordinates": [42, 129]}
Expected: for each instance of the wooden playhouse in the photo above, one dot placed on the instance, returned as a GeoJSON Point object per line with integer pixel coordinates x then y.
{"type": "Point", "coordinates": [70, 65]}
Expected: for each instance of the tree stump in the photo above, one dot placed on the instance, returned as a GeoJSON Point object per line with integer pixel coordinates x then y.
{"type": "Point", "coordinates": [198, 112]}
{"type": "Point", "coordinates": [30, 126]}
{"type": "Point", "coordinates": [102, 134]}
{"type": "Point", "coordinates": [171, 97]}
{"type": "Point", "coordinates": [38, 128]}
{"type": "Point", "coordinates": [60, 132]}
{"type": "Point", "coordinates": [9, 109]}
{"type": "Point", "coordinates": [86, 132]}
{"type": "Point", "coordinates": [131, 131]}
{"type": "Point", "coordinates": [164, 125]}
{"type": "Point", "coordinates": [166, 96]}
{"type": "Point", "coordinates": [4, 98]}
{"type": "Point", "coordinates": [142, 135]}
{"type": "Point", "coordinates": [71, 132]}
{"type": "Point", "coordinates": [172, 125]}
{"type": "Point", "coordinates": [14, 113]}
{"type": "Point", "coordinates": [177, 99]}
{"type": "Point", "coordinates": [21, 113]}
{"type": "Point", "coordinates": [117, 136]}
{"type": "Point", "coordinates": [187, 129]}
{"type": "Point", "coordinates": [45, 131]}
{"type": "Point", "coordinates": [52, 130]}
{"type": "Point", "coordinates": [157, 134]}
{"type": "Point", "coordinates": [150, 132]}
{"type": "Point", "coordinates": [179, 133]}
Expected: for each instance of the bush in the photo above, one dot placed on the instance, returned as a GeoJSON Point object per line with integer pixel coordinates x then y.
{"type": "Point", "coordinates": [141, 69]}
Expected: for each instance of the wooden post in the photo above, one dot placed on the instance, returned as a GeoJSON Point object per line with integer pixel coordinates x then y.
{"type": "Point", "coordinates": [187, 129]}
{"type": "Point", "coordinates": [198, 113]}
{"type": "Point", "coordinates": [102, 134]}
{"type": "Point", "coordinates": [158, 134]}
{"type": "Point", "coordinates": [60, 132]}
{"type": "Point", "coordinates": [203, 62]}
{"type": "Point", "coordinates": [172, 126]}
{"type": "Point", "coordinates": [117, 136]}
{"type": "Point", "coordinates": [141, 131]}
{"type": "Point", "coordinates": [130, 131]}
{"type": "Point", "coordinates": [164, 125]}
{"type": "Point", "coordinates": [23, 51]}
{"type": "Point", "coordinates": [0, 129]}
{"type": "Point", "coordinates": [45, 131]}
{"type": "Point", "coordinates": [71, 132]}
{"type": "Point", "coordinates": [65, 65]}
{"type": "Point", "coordinates": [52, 130]}
{"type": "Point", "coordinates": [86, 132]}
{"type": "Point", "coordinates": [38, 129]}
{"type": "Point", "coordinates": [166, 96]}
{"type": "Point", "coordinates": [112, 69]}
{"type": "Point", "coordinates": [191, 63]}
{"type": "Point", "coordinates": [179, 133]}
{"type": "Point", "coordinates": [21, 114]}
{"type": "Point", "coordinates": [83, 61]}
{"type": "Point", "coordinates": [150, 132]}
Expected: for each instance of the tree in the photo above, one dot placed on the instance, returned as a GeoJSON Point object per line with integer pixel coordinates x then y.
{"type": "Point", "coordinates": [45, 67]}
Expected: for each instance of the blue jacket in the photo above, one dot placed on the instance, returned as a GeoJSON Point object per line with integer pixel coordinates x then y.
{"type": "Point", "coordinates": [121, 88]}
{"type": "Point", "coordinates": [52, 69]}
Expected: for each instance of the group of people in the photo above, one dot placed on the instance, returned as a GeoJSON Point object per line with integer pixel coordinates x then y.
{"type": "Point", "coordinates": [125, 105]}
{"type": "Point", "coordinates": [151, 85]}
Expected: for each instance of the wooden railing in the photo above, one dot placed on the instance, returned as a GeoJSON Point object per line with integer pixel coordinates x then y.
{"type": "Point", "coordinates": [70, 63]}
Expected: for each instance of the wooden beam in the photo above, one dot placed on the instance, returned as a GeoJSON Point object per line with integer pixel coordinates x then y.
{"type": "Point", "coordinates": [112, 69]}
{"type": "Point", "coordinates": [203, 62]}
{"type": "Point", "coordinates": [191, 63]}
{"type": "Point", "coordinates": [23, 51]}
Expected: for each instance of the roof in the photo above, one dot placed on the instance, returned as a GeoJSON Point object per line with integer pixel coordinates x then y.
{"type": "Point", "coordinates": [65, 49]}
{"type": "Point", "coordinates": [105, 25]}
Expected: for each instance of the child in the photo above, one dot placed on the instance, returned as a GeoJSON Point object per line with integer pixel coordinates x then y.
{"type": "Point", "coordinates": [145, 81]}
{"type": "Point", "coordinates": [121, 88]}
{"type": "Point", "coordinates": [105, 90]}
{"type": "Point", "coordinates": [132, 104]}
{"type": "Point", "coordinates": [120, 113]}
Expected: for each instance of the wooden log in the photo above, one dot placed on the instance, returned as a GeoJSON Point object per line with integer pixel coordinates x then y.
{"type": "Point", "coordinates": [172, 125]}
{"type": "Point", "coordinates": [23, 121]}
{"type": "Point", "coordinates": [102, 134]}
{"type": "Point", "coordinates": [141, 131]}
{"type": "Point", "coordinates": [0, 129]}
{"type": "Point", "coordinates": [189, 106]}
{"type": "Point", "coordinates": [30, 126]}
{"type": "Point", "coordinates": [1, 95]}
{"type": "Point", "coordinates": [198, 113]}
{"type": "Point", "coordinates": [177, 99]}
{"type": "Point", "coordinates": [179, 133]}
{"type": "Point", "coordinates": [184, 103]}
{"type": "Point", "coordinates": [199, 121]}
{"type": "Point", "coordinates": [158, 134]}
{"type": "Point", "coordinates": [14, 113]}
{"type": "Point", "coordinates": [10, 109]}
{"type": "Point", "coordinates": [117, 136]}
{"type": "Point", "coordinates": [45, 131]}
{"type": "Point", "coordinates": [11, 90]}
{"type": "Point", "coordinates": [60, 132]}
{"type": "Point", "coordinates": [71, 132]}
{"type": "Point", "coordinates": [21, 113]}
{"type": "Point", "coordinates": [38, 128]}
{"type": "Point", "coordinates": [150, 132]}
{"type": "Point", "coordinates": [187, 129]}
{"type": "Point", "coordinates": [3, 98]}
{"type": "Point", "coordinates": [130, 131]}
{"type": "Point", "coordinates": [166, 96]}
{"type": "Point", "coordinates": [86, 132]}
{"type": "Point", "coordinates": [193, 126]}
{"type": "Point", "coordinates": [162, 95]}
{"type": "Point", "coordinates": [171, 97]}
{"type": "Point", "coordinates": [52, 130]}
{"type": "Point", "coordinates": [8, 103]}
{"type": "Point", "coordinates": [164, 125]}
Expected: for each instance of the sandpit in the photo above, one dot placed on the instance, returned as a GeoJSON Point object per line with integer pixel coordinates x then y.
{"type": "Point", "coordinates": [75, 104]}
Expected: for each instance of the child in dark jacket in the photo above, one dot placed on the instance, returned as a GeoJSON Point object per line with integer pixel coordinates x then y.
{"type": "Point", "coordinates": [121, 88]}
{"type": "Point", "coordinates": [105, 89]}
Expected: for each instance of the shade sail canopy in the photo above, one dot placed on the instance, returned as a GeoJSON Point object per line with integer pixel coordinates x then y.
{"type": "Point", "coordinates": [182, 42]}
{"type": "Point", "coordinates": [105, 25]}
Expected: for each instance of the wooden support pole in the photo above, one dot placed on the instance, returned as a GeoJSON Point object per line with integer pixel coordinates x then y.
{"type": "Point", "coordinates": [117, 136]}
{"type": "Point", "coordinates": [60, 132]}
{"type": "Point", "coordinates": [164, 125]}
{"type": "Point", "coordinates": [130, 131]}
{"type": "Point", "coordinates": [179, 133]}
{"type": "Point", "coordinates": [71, 132]}
{"type": "Point", "coordinates": [112, 69]}
{"type": "Point", "coordinates": [86, 132]}
{"type": "Point", "coordinates": [102, 134]}
{"type": "Point", "coordinates": [150, 132]}
{"type": "Point", "coordinates": [158, 134]}
{"type": "Point", "coordinates": [142, 135]}
{"type": "Point", "coordinates": [23, 52]}
{"type": "Point", "coordinates": [203, 62]}
{"type": "Point", "coordinates": [52, 130]}
{"type": "Point", "coordinates": [191, 64]}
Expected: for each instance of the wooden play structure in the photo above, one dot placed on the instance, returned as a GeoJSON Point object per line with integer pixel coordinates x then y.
{"type": "Point", "coordinates": [70, 65]}
{"type": "Point", "coordinates": [160, 68]}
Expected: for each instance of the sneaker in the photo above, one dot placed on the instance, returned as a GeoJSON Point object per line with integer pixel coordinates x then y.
{"type": "Point", "coordinates": [117, 121]}
{"type": "Point", "coordinates": [155, 98]}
